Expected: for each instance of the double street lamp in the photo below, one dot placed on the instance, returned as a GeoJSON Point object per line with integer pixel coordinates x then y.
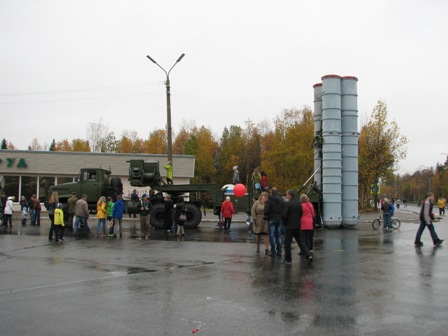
{"type": "Point", "coordinates": [168, 104]}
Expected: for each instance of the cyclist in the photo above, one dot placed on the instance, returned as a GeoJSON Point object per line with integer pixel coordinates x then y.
{"type": "Point", "coordinates": [386, 208]}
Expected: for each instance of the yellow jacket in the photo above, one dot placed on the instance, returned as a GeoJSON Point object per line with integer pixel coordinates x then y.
{"type": "Point", "coordinates": [101, 211]}
{"type": "Point", "coordinates": [441, 203]}
{"type": "Point", "coordinates": [58, 217]}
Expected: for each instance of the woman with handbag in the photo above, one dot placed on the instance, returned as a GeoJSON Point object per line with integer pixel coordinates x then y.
{"type": "Point", "coordinates": [181, 215]}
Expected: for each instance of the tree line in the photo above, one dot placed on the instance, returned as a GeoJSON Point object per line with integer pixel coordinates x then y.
{"type": "Point", "coordinates": [283, 149]}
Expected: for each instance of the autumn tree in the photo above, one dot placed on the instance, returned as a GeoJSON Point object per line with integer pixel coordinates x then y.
{"type": "Point", "coordinates": [180, 140]}
{"type": "Point", "coordinates": [156, 143]}
{"type": "Point", "coordinates": [250, 151]}
{"type": "Point", "coordinates": [381, 146]}
{"type": "Point", "coordinates": [288, 158]}
{"type": "Point", "coordinates": [80, 145]}
{"type": "Point", "coordinates": [63, 146]}
{"type": "Point", "coordinates": [130, 143]}
{"type": "Point", "coordinates": [202, 145]}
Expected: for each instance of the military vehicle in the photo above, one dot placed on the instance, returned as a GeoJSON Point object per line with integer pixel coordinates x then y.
{"type": "Point", "coordinates": [147, 174]}
{"type": "Point", "coordinates": [94, 182]}
{"type": "Point", "coordinates": [97, 182]}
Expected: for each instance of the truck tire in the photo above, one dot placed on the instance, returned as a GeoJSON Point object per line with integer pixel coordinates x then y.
{"type": "Point", "coordinates": [194, 216]}
{"type": "Point", "coordinates": [158, 216]}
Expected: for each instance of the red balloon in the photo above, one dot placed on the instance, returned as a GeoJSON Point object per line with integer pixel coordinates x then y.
{"type": "Point", "coordinates": [239, 190]}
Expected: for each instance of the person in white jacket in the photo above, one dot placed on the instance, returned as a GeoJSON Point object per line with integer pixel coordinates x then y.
{"type": "Point", "coordinates": [9, 210]}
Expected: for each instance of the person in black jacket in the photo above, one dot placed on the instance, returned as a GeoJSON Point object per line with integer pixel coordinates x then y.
{"type": "Point", "coordinates": [273, 214]}
{"type": "Point", "coordinates": [291, 214]}
{"type": "Point", "coordinates": [168, 216]}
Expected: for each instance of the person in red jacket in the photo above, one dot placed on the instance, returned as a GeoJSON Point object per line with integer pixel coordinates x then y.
{"type": "Point", "coordinates": [227, 212]}
{"type": "Point", "coordinates": [307, 221]}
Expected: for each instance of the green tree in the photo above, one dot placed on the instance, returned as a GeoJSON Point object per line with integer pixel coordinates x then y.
{"type": "Point", "coordinates": [229, 153]}
{"type": "Point", "coordinates": [4, 144]}
{"type": "Point", "coordinates": [110, 143]}
{"type": "Point", "coordinates": [53, 146]}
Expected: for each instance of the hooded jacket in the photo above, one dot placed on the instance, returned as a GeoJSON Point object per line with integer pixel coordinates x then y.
{"type": "Point", "coordinates": [273, 208]}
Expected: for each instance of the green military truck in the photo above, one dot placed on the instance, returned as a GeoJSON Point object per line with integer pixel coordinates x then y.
{"type": "Point", "coordinates": [147, 174]}
{"type": "Point", "coordinates": [97, 182]}
{"type": "Point", "coordinates": [94, 182]}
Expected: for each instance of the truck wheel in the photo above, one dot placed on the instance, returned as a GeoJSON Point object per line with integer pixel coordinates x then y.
{"type": "Point", "coordinates": [158, 216]}
{"type": "Point", "coordinates": [194, 216]}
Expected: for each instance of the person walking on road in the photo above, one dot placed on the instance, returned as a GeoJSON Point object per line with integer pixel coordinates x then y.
{"type": "Point", "coordinates": [227, 211]}
{"type": "Point", "coordinates": [273, 214]}
{"type": "Point", "coordinates": [441, 205]}
{"type": "Point", "coordinates": [292, 214]}
{"type": "Point", "coordinates": [426, 218]}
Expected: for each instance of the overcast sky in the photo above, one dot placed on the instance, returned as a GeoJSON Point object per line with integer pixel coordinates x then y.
{"type": "Point", "coordinates": [64, 64]}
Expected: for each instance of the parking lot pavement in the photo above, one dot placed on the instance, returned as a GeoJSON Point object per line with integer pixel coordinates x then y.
{"type": "Point", "coordinates": [362, 282]}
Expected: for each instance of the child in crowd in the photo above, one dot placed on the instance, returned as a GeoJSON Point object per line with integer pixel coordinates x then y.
{"type": "Point", "coordinates": [58, 223]}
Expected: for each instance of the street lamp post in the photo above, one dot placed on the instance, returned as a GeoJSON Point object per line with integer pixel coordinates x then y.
{"type": "Point", "coordinates": [168, 105]}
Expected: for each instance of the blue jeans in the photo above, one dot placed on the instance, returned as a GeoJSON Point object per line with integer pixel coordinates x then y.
{"type": "Point", "coordinates": [83, 221]}
{"type": "Point", "coordinates": [387, 220]}
{"type": "Point", "coordinates": [98, 225]}
{"type": "Point", "coordinates": [275, 237]}
{"type": "Point", "coordinates": [421, 228]}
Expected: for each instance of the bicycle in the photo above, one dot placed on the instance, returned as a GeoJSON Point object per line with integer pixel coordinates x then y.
{"type": "Point", "coordinates": [377, 222]}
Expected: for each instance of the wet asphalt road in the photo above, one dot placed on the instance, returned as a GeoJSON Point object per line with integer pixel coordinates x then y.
{"type": "Point", "coordinates": [362, 282]}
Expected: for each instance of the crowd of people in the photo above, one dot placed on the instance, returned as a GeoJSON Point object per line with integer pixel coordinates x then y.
{"type": "Point", "coordinates": [275, 220]}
